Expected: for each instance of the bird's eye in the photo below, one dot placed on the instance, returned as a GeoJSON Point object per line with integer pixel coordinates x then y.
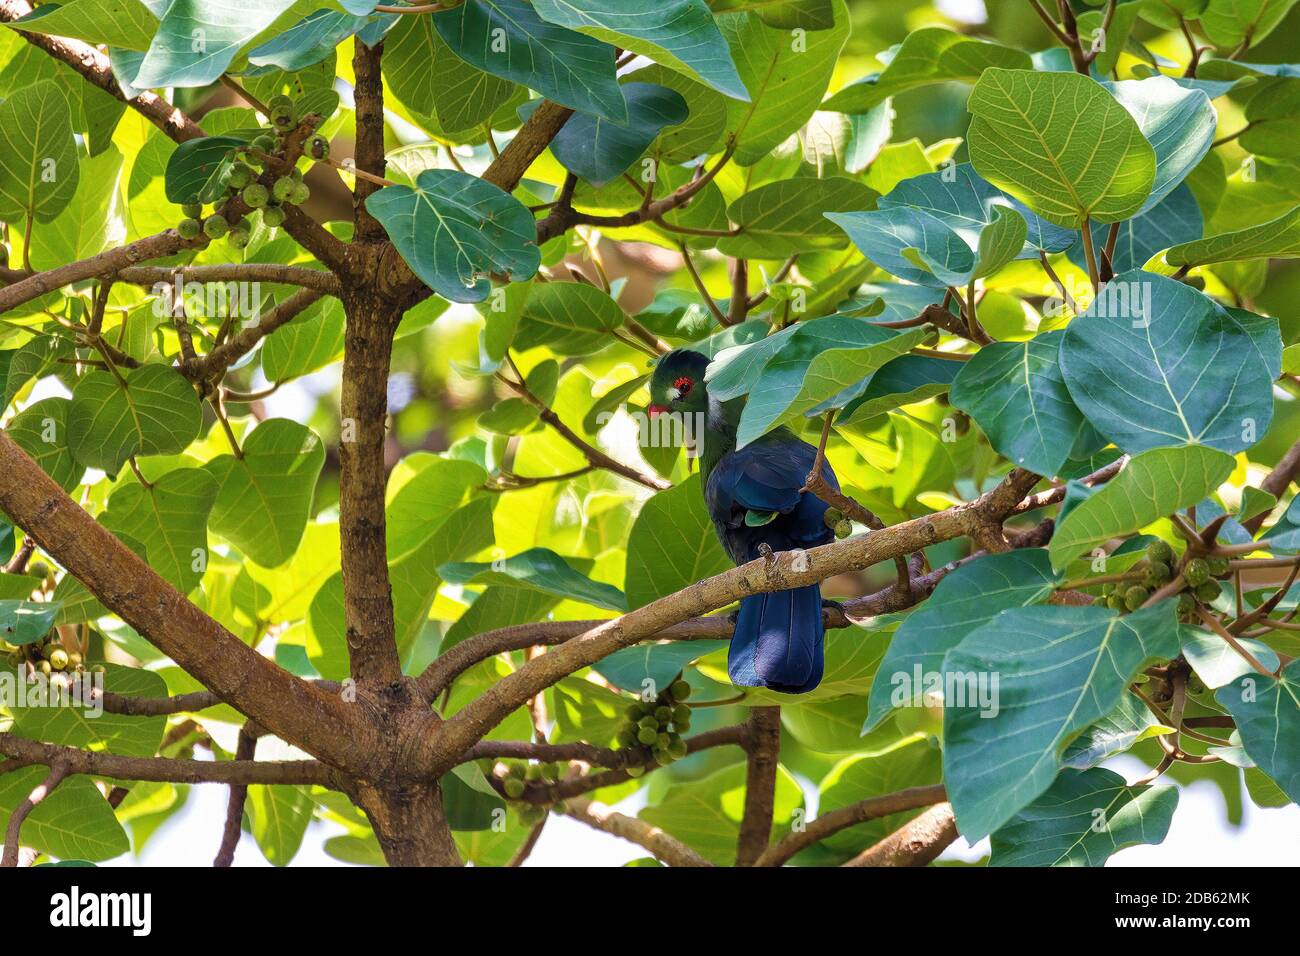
{"type": "Point", "coordinates": [683, 386]}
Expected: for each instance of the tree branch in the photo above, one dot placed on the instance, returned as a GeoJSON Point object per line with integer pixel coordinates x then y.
{"type": "Point", "coordinates": [369, 154]}
{"type": "Point", "coordinates": [916, 843]}
{"type": "Point", "coordinates": [842, 818]}
{"type": "Point", "coordinates": [245, 748]}
{"type": "Point", "coordinates": [762, 750]}
{"type": "Point", "coordinates": [318, 279]}
{"type": "Point", "coordinates": [213, 365]}
{"type": "Point", "coordinates": [319, 722]}
{"type": "Point", "coordinates": [169, 769]}
{"type": "Point", "coordinates": [663, 846]}
{"type": "Point", "coordinates": [439, 750]}
{"type": "Point", "coordinates": [13, 832]}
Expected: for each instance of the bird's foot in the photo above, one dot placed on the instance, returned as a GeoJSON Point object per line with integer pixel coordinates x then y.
{"type": "Point", "coordinates": [767, 554]}
{"type": "Point", "coordinates": [834, 606]}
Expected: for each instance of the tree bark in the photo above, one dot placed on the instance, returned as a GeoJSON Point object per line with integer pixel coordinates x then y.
{"type": "Point", "coordinates": [410, 824]}
{"type": "Point", "coordinates": [363, 408]}
{"type": "Point", "coordinates": [763, 745]}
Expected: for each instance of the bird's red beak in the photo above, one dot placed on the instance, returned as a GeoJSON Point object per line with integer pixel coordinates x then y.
{"type": "Point", "coordinates": [654, 410]}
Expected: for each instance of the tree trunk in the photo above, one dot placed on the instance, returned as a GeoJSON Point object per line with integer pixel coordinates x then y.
{"type": "Point", "coordinates": [410, 824]}
{"type": "Point", "coordinates": [363, 407]}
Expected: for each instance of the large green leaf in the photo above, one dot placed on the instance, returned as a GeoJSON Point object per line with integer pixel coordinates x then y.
{"type": "Point", "coordinates": [569, 318]}
{"type": "Point", "coordinates": [1155, 362]}
{"type": "Point", "coordinates": [1128, 724]}
{"type": "Point", "coordinates": [1082, 819]}
{"type": "Point", "coordinates": [1057, 669]}
{"type": "Point", "coordinates": [89, 728]}
{"type": "Point", "coordinates": [1178, 122]}
{"type": "Point", "coordinates": [156, 413]}
{"type": "Point", "coordinates": [92, 220]}
{"type": "Point", "coordinates": [806, 369]}
{"type": "Point", "coordinates": [170, 518]}
{"type": "Point", "coordinates": [680, 34]}
{"type": "Point", "coordinates": [279, 816]}
{"type": "Point", "coordinates": [508, 39]}
{"type": "Point", "coordinates": [785, 217]}
{"type": "Point", "coordinates": [1060, 143]}
{"type": "Point", "coordinates": [454, 230]}
{"type": "Point", "coordinates": [1228, 23]}
{"type": "Point", "coordinates": [73, 822]}
{"type": "Point", "coordinates": [652, 665]}
{"type": "Point", "coordinates": [128, 24]}
{"type": "Point", "coordinates": [911, 244]}
{"type": "Point", "coordinates": [1216, 662]}
{"type": "Point", "coordinates": [38, 155]}
{"type": "Point", "coordinates": [1276, 239]}
{"type": "Point", "coordinates": [310, 41]}
{"type": "Point", "coordinates": [25, 622]}
{"type": "Point", "coordinates": [197, 40]}
{"type": "Point", "coordinates": [928, 55]}
{"type": "Point", "coordinates": [435, 85]}
{"type": "Point", "coordinates": [310, 342]}
{"type": "Point", "coordinates": [964, 600]}
{"type": "Point", "coordinates": [672, 545]}
{"type": "Point", "coordinates": [1267, 712]}
{"type": "Point", "coordinates": [1016, 394]}
{"type": "Point", "coordinates": [900, 381]}
{"type": "Point", "coordinates": [1154, 484]}
{"type": "Point", "coordinates": [194, 169]}
{"type": "Point", "coordinates": [540, 569]}
{"type": "Point", "coordinates": [598, 149]}
{"type": "Point", "coordinates": [785, 74]}
{"type": "Point", "coordinates": [264, 497]}
{"type": "Point", "coordinates": [707, 814]}
{"type": "Point", "coordinates": [41, 430]}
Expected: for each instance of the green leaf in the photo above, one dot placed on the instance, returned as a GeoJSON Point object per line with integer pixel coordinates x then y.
{"type": "Point", "coordinates": [785, 74]}
{"type": "Point", "coordinates": [1154, 362]}
{"type": "Point", "coordinates": [707, 814]}
{"type": "Point", "coordinates": [910, 244]}
{"type": "Point", "coordinates": [1128, 724]}
{"type": "Point", "coordinates": [569, 318]}
{"type": "Point", "coordinates": [964, 600]}
{"type": "Point", "coordinates": [38, 155]}
{"type": "Point", "coordinates": [928, 55]}
{"type": "Point", "coordinates": [1061, 144]}
{"type": "Point", "coordinates": [436, 86]}
{"type": "Point", "coordinates": [804, 370]}
{"type": "Point", "coordinates": [1016, 394]}
{"type": "Point", "coordinates": [308, 343]}
{"type": "Point", "coordinates": [25, 622]}
{"type": "Point", "coordinates": [540, 569]}
{"type": "Point", "coordinates": [901, 381]}
{"type": "Point", "coordinates": [1216, 662]}
{"type": "Point", "coordinates": [1179, 124]}
{"type": "Point", "coordinates": [652, 665]}
{"type": "Point", "coordinates": [157, 413]}
{"type": "Point", "coordinates": [91, 728]}
{"type": "Point", "coordinates": [1058, 669]}
{"type": "Point", "coordinates": [1154, 484]}
{"type": "Point", "coordinates": [680, 34]}
{"type": "Point", "coordinates": [40, 429]}
{"type": "Point", "coordinates": [310, 41]}
{"type": "Point", "coordinates": [1267, 712]}
{"type": "Point", "coordinates": [279, 816]}
{"type": "Point", "coordinates": [264, 498]}
{"type": "Point", "coordinates": [419, 507]}
{"type": "Point", "coordinates": [92, 220]}
{"type": "Point", "coordinates": [32, 359]}
{"type": "Point", "coordinates": [454, 229]}
{"type": "Point", "coordinates": [586, 711]}
{"type": "Point", "coordinates": [702, 129]}
{"type": "Point", "coordinates": [170, 519]}
{"type": "Point", "coordinates": [197, 40]}
{"type": "Point", "coordinates": [911, 762]}
{"type": "Point", "coordinates": [1082, 819]}
{"type": "Point", "coordinates": [73, 822]}
{"type": "Point", "coordinates": [599, 150]}
{"type": "Point", "coordinates": [121, 23]}
{"type": "Point", "coordinates": [785, 217]}
{"type": "Point", "coordinates": [508, 39]}
{"type": "Point", "coordinates": [1228, 23]}
{"type": "Point", "coordinates": [194, 168]}
{"type": "Point", "coordinates": [671, 545]}
{"type": "Point", "coordinates": [1276, 239]}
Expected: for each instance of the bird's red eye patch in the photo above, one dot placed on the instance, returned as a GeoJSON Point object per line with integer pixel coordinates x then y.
{"type": "Point", "coordinates": [683, 385]}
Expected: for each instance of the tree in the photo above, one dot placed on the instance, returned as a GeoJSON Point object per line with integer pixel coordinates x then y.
{"type": "Point", "coordinates": [1039, 357]}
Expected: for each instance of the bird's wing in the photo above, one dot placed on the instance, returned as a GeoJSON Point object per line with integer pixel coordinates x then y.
{"type": "Point", "coordinates": [763, 477]}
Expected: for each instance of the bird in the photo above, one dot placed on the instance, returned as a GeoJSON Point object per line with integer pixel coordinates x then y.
{"type": "Point", "coordinates": [756, 500]}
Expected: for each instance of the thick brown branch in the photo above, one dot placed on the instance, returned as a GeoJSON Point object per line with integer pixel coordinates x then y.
{"type": "Point", "coordinates": [169, 769]}
{"type": "Point", "coordinates": [833, 822]}
{"type": "Point", "coordinates": [320, 723]}
{"type": "Point", "coordinates": [762, 749]}
{"type": "Point", "coordinates": [780, 572]}
{"type": "Point", "coordinates": [916, 843]}
{"type": "Point", "coordinates": [369, 155]}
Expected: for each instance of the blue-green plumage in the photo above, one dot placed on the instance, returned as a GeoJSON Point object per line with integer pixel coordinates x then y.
{"type": "Point", "coordinates": [753, 496]}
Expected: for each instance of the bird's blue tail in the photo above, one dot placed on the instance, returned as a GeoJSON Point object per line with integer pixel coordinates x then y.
{"type": "Point", "coordinates": [778, 641]}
